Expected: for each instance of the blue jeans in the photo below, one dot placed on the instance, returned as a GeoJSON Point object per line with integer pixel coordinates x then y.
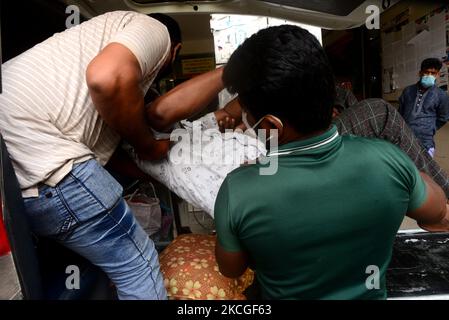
{"type": "Point", "coordinates": [86, 213]}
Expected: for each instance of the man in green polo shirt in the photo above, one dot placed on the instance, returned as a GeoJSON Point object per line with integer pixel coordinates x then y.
{"type": "Point", "coordinates": [323, 225]}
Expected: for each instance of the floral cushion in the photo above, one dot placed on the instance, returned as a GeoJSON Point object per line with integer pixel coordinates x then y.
{"type": "Point", "coordinates": [191, 272]}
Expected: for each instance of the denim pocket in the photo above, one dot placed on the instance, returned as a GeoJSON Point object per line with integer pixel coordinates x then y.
{"type": "Point", "coordinates": [90, 190]}
{"type": "Point", "coordinates": [87, 191]}
{"type": "Point", "coordinates": [47, 214]}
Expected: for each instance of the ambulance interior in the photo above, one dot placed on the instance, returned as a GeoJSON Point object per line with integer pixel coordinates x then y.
{"type": "Point", "coordinates": [211, 30]}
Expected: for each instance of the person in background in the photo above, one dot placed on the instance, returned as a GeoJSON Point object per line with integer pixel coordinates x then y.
{"type": "Point", "coordinates": [334, 205]}
{"type": "Point", "coordinates": [344, 99]}
{"type": "Point", "coordinates": [424, 106]}
{"type": "Point", "coordinates": [376, 118]}
{"type": "Point", "coordinates": [66, 103]}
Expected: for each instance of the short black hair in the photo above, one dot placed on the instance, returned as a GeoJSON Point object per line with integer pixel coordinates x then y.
{"type": "Point", "coordinates": [283, 71]}
{"type": "Point", "coordinates": [172, 26]}
{"type": "Point", "coordinates": [431, 63]}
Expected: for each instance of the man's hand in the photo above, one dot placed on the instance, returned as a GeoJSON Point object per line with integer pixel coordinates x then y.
{"type": "Point", "coordinates": [230, 116]}
{"type": "Point", "coordinates": [121, 163]}
{"type": "Point", "coordinates": [226, 123]}
{"type": "Point", "coordinates": [160, 147]}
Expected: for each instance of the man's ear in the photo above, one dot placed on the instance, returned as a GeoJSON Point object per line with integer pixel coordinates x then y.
{"type": "Point", "coordinates": [269, 123]}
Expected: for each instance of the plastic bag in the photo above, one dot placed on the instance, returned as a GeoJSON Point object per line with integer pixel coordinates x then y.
{"type": "Point", "coordinates": [146, 209]}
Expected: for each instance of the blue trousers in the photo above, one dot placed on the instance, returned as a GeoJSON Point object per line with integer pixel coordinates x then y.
{"type": "Point", "coordinates": [86, 213]}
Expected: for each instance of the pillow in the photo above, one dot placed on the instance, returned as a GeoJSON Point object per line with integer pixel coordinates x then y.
{"type": "Point", "coordinates": [191, 272]}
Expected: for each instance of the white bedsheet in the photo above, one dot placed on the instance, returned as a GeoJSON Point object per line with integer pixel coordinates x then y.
{"type": "Point", "coordinates": [199, 182]}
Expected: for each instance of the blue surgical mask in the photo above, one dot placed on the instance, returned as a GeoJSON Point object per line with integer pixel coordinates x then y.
{"type": "Point", "coordinates": [428, 81]}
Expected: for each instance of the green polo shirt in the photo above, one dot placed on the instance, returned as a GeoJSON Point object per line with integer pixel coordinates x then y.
{"type": "Point", "coordinates": [315, 228]}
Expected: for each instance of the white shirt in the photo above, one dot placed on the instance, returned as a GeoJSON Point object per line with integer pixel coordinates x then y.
{"type": "Point", "coordinates": [47, 117]}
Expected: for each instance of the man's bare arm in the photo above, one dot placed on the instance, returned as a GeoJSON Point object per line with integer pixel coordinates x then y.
{"type": "Point", "coordinates": [432, 215]}
{"type": "Point", "coordinates": [442, 226]}
{"type": "Point", "coordinates": [184, 100]}
{"type": "Point", "coordinates": [114, 78]}
{"type": "Point", "coordinates": [230, 264]}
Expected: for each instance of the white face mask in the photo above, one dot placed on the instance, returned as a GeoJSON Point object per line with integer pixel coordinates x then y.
{"type": "Point", "coordinates": [250, 130]}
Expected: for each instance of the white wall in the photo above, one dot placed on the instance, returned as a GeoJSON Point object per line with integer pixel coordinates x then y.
{"type": "Point", "coordinates": [230, 31]}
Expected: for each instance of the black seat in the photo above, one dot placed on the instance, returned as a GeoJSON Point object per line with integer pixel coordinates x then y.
{"type": "Point", "coordinates": [41, 263]}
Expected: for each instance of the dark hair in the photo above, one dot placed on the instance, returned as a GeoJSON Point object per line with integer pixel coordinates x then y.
{"type": "Point", "coordinates": [172, 26]}
{"type": "Point", "coordinates": [431, 63]}
{"type": "Point", "coordinates": [283, 71]}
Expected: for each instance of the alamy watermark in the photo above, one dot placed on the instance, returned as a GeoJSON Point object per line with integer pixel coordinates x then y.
{"type": "Point", "coordinates": [372, 282]}
{"type": "Point", "coordinates": [72, 282]}
{"type": "Point", "coordinates": [373, 19]}
{"type": "Point", "coordinates": [195, 147]}
{"type": "Point", "coordinates": [372, 22]}
{"type": "Point", "coordinates": [74, 17]}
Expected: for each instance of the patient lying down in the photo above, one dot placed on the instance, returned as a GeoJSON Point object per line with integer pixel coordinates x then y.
{"type": "Point", "coordinates": [202, 155]}
{"type": "Point", "coordinates": [200, 158]}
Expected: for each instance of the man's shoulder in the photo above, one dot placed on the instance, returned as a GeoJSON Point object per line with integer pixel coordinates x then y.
{"type": "Point", "coordinates": [247, 176]}
{"type": "Point", "coordinates": [364, 145]}
{"type": "Point", "coordinates": [123, 18]}
{"type": "Point", "coordinates": [380, 158]}
{"type": "Point", "coordinates": [118, 14]}
{"type": "Point", "coordinates": [441, 93]}
{"type": "Point", "coordinates": [367, 141]}
{"type": "Point", "coordinates": [244, 173]}
{"type": "Point", "coordinates": [411, 88]}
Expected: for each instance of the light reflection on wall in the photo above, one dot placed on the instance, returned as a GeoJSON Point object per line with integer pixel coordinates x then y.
{"type": "Point", "coordinates": [231, 30]}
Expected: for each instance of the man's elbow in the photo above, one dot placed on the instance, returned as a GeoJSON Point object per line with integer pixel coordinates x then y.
{"type": "Point", "coordinates": [102, 89]}
{"type": "Point", "coordinates": [440, 211]}
{"type": "Point", "coordinates": [159, 115]}
{"type": "Point", "coordinates": [102, 83]}
{"type": "Point", "coordinates": [442, 208]}
{"type": "Point", "coordinates": [231, 272]}
{"type": "Point", "coordinates": [229, 264]}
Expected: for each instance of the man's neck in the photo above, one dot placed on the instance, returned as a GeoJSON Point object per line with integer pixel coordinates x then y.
{"type": "Point", "coordinates": [422, 88]}
{"type": "Point", "coordinates": [291, 135]}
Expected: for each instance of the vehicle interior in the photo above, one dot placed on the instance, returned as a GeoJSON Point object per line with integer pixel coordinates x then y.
{"type": "Point", "coordinates": [361, 63]}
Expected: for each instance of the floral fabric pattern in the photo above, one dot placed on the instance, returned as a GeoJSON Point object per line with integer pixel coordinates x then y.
{"type": "Point", "coordinates": [191, 272]}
